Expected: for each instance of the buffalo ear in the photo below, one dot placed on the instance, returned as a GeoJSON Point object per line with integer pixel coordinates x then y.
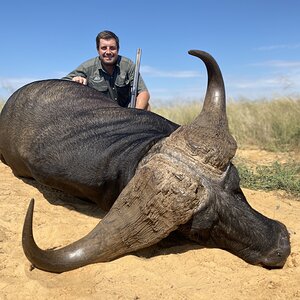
{"type": "Point", "coordinates": [199, 228]}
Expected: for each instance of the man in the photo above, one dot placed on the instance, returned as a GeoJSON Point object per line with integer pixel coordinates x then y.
{"type": "Point", "coordinates": [111, 73]}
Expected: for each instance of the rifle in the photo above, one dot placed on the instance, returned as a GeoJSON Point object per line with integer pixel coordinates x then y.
{"type": "Point", "coordinates": [135, 79]}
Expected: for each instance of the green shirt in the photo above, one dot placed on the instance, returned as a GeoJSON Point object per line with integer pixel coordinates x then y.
{"type": "Point", "coordinates": [116, 86]}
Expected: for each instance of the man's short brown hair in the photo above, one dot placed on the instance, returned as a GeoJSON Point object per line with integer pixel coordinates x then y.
{"type": "Point", "coordinates": [107, 35]}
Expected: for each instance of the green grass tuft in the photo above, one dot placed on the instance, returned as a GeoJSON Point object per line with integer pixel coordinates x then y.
{"type": "Point", "coordinates": [274, 177]}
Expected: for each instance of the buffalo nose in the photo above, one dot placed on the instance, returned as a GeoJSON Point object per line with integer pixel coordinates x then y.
{"type": "Point", "coordinates": [277, 257]}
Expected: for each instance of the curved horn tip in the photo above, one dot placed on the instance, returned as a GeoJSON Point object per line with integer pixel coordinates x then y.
{"type": "Point", "coordinates": [27, 226]}
{"type": "Point", "coordinates": [30, 208]}
{"type": "Point", "coordinates": [198, 53]}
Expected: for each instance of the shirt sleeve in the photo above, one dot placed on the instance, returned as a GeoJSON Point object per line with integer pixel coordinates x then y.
{"type": "Point", "coordinates": [79, 71]}
{"type": "Point", "coordinates": [141, 85]}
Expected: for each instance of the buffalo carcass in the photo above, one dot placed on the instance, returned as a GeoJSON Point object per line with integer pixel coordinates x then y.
{"type": "Point", "coordinates": [154, 176]}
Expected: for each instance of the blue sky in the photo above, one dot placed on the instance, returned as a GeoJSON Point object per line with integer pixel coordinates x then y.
{"type": "Point", "coordinates": [256, 43]}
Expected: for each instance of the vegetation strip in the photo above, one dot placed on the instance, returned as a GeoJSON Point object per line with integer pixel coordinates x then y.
{"type": "Point", "coordinates": [275, 177]}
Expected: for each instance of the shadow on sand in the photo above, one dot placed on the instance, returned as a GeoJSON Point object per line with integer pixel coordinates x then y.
{"type": "Point", "coordinates": [56, 197]}
{"type": "Point", "coordinates": [175, 243]}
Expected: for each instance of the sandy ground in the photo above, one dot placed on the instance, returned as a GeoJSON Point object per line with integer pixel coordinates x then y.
{"type": "Point", "coordinates": [164, 271]}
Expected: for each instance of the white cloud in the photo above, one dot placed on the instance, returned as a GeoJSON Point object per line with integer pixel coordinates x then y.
{"type": "Point", "coordinates": [280, 46]}
{"type": "Point", "coordinates": [9, 85]}
{"type": "Point", "coordinates": [182, 93]}
{"type": "Point", "coordinates": [150, 71]}
{"type": "Point", "coordinates": [248, 83]}
{"type": "Point", "coordinates": [283, 77]}
{"type": "Point", "coordinates": [264, 86]}
{"type": "Point", "coordinates": [279, 64]}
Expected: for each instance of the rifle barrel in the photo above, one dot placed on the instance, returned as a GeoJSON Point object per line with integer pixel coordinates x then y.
{"type": "Point", "coordinates": [136, 78]}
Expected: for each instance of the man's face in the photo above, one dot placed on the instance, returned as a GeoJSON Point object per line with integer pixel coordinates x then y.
{"type": "Point", "coordinates": [108, 51]}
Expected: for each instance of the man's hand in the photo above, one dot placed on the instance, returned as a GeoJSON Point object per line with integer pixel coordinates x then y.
{"type": "Point", "coordinates": [80, 79]}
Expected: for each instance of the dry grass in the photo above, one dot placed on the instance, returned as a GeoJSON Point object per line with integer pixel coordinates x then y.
{"type": "Point", "coordinates": [270, 125]}
{"type": "Point", "coordinates": [180, 113]}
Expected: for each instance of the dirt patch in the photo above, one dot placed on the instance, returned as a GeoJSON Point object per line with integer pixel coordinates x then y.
{"type": "Point", "coordinates": [256, 157]}
{"type": "Point", "coordinates": [160, 272]}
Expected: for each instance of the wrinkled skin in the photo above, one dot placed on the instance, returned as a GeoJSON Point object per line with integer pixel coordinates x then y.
{"type": "Point", "coordinates": [154, 176]}
{"type": "Point", "coordinates": [74, 139]}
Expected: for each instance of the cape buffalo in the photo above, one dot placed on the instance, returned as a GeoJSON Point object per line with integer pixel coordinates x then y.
{"type": "Point", "coordinates": [154, 176]}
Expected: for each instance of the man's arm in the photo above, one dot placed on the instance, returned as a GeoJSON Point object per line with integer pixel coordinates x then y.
{"type": "Point", "coordinates": [76, 76]}
{"type": "Point", "coordinates": [143, 95]}
{"type": "Point", "coordinates": [80, 74]}
{"type": "Point", "coordinates": [142, 100]}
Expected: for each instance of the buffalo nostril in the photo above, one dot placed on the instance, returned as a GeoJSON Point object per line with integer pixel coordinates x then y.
{"type": "Point", "coordinates": [278, 257]}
